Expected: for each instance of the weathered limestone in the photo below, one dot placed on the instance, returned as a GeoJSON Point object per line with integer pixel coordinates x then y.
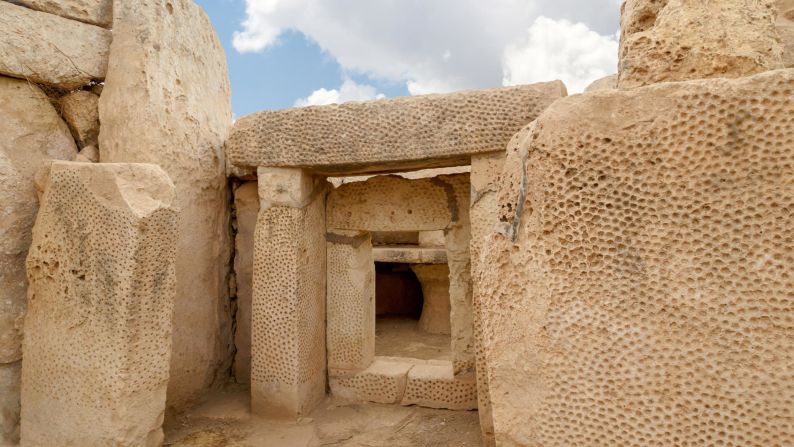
{"type": "Point", "coordinates": [485, 170]}
{"type": "Point", "coordinates": [606, 83]}
{"type": "Point", "coordinates": [350, 295]}
{"type": "Point", "coordinates": [676, 40]}
{"type": "Point", "coordinates": [390, 134]}
{"type": "Point", "coordinates": [382, 382]}
{"type": "Point", "coordinates": [48, 49]}
{"type": "Point", "coordinates": [80, 110]}
{"type": "Point", "coordinates": [246, 204]}
{"type": "Point", "coordinates": [410, 255]}
{"type": "Point", "coordinates": [95, 12]}
{"type": "Point", "coordinates": [431, 238]}
{"type": "Point", "coordinates": [288, 353]}
{"type": "Point", "coordinates": [641, 294]}
{"type": "Point", "coordinates": [435, 386]}
{"type": "Point", "coordinates": [435, 291]}
{"type": "Point", "coordinates": [785, 29]}
{"type": "Point", "coordinates": [32, 134]}
{"type": "Point", "coordinates": [166, 101]}
{"type": "Point", "coordinates": [100, 304]}
{"type": "Point", "coordinates": [391, 203]}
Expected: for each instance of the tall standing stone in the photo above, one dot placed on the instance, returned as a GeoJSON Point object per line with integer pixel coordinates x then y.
{"type": "Point", "coordinates": [32, 134]}
{"type": "Point", "coordinates": [101, 298]}
{"type": "Point", "coordinates": [246, 205]}
{"type": "Point", "coordinates": [166, 101]}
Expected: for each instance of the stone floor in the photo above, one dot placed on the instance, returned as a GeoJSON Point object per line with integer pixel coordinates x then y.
{"type": "Point", "coordinates": [401, 337]}
{"type": "Point", "coordinates": [224, 420]}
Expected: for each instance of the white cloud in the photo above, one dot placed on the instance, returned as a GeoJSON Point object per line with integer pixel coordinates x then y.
{"type": "Point", "coordinates": [349, 91]}
{"type": "Point", "coordinates": [560, 50]}
{"type": "Point", "coordinates": [431, 46]}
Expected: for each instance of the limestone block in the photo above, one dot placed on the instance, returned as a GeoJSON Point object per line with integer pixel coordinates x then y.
{"type": "Point", "coordinates": [89, 154]}
{"type": "Point", "coordinates": [485, 170]}
{"type": "Point", "coordinates": [246, 204]}
{"type": "Point", "coordinates": [48, 49]}
{"type": "Point", "coordinates": [431, 238]}
{"type": "Point", "coordinates": [350, 300]}
{"type": "Point", "coordinates": [642, 295]}
{"type": "Point", "coordinates": [435, 291]}
{"type": "Point", "coordinates": [606, 83]}
{"type": "Point", "coordinates": [95, 12]}
{"type": "Point", "coordinates": [435, 386]}
{"type": "Point", "coordinates": [288, 352]}
{"type": "Point", "coordinates": [32, 134]}
{"type": "Point", "coordinates": [395, 238]}
{"type": "Point", "coordinates": [410, 255]}
{"type": "Point", "coordinates": [166, 101]}
{"type": "Point", "coordinates": [457, 241]}
{"type": "Point", "coordinates": [390, 134]}
{"type": "Point", "coordinates": [676, 40]}
{"type": "Point", "coordinates": [390, 203]}
{"type": "Point", "coordinates": [9, 403]}
{"type": "Point", "coordinates": [785, 29]}
{"type": "Point", "coordinates": [382, 382]}
{"type": "Point", "coordinates": [80, 110]}
{"type": "Point", "coordinates": [100, 303]}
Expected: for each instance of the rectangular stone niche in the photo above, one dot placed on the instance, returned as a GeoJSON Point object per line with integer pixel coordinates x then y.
{"type": "Point", "coordinates": [100, 303]}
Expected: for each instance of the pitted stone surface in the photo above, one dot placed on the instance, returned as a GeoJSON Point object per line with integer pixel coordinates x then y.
{"type": "Point", "coordinates": [246, 204]}
{"type": "Point", "coordinates": [383, 382]}
{"type": "Point", "coordinates": [95, 12]}
{"type": "Point", "coordinates": [390, 203]}
{"type": "Point", "coordinates": [166, 101]}
{"type": "Point", "coordinates": [32, 135]}
{"type": "Point", "coordinates": [288, 348]}
{"type": "Point", "coordinates": [642, 294]}
{"type": "Point", "coordinates": [100, 305]}
{"type": "Point", "coordinates": [48, 49]}
{"type": "Point", "coordinates": [677, 40]}
{"type": "Point", "coordinates": [410, 255]}
{"type": "Point", "coordinates": [418, 131]}
{"type": "Point", "coordinates": [350, 299]}
{"type": "Point", "coordinates": [435, 386]}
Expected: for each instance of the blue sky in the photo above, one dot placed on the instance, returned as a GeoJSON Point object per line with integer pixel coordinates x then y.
{"type": "Point", "coordinates": [277, 77]}
{"type": "Point", "coordinates": [288, 53]}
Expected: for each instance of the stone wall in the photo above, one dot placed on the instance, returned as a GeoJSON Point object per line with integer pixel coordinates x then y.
{"type": "Point", "coordinates": [54, 59]}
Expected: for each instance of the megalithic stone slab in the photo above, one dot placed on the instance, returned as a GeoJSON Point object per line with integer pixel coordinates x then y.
{"type": "Point", "coordinates": [47, 49]}
{"type": "Point", "coordinates": [166, 101]}
{"type": "Point", "coordinates": [246, 204]}
{"type": "Point", "coordinates": [639, 289]}
{"type": "Point", "coordinates": [95, 12]}
{"type": "Point", "coordinates": [100, 306]}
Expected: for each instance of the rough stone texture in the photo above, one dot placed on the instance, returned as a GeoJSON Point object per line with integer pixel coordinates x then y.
{"type": "Point", "coordinates": [166, 101]}
{"type": "Point", "coordinates": [246, 204]}
{"type": "Point", "coordinates": [89, 154]}
{"type": "Point", "coordinates": [32, 134]}
{"type": "Point", "coordinates": [432, 238]}
{"type": "Point", "coordinates": [485, 170]}
{"type": "Point", "coordinates": [410, 255]}
{"type": "Point", "coordinates": [350, 299]}
{"type": "Point", "coordinates": [288, 353]}
{"type": "Point", "coordinates": [416, 131]}
{"type": "Point", "coordinates": [100, 303]}
{"type": "Point", "coordinates": [606, 83]}
{"type": "Point", "coordinates": [785, 29]}
{"type": "Point", "coordinates": [391, 203]}
{"type": "Point", "coordinates": [382, 382]}
{"type": "Point", "coordinates": [80, 110]}
{"type": "Point", "coordinates": [48, 49]}
{"type": "Point", "coordinates": [435, 291]}
{"type": "Point", "coordinates": [95, 12]}
{"type": "Point", "coordinates": [676, 40]}
{"type": "Point", "coordinates": [9, 403]}
{"type": "Point", "coordinates": [435, 386]}
{"type": "Point", "coordinates": [642, 295]}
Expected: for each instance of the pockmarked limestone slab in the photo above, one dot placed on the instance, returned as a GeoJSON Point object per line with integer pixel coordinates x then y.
{"type": "Point", "coordinates": [32, 135]}
{"type": "Point", "coordinates": [288, 343]}
{"type": "Point", "coordinates": [641, 293]}
{"type": "Point", "coordinates": [100, 307]}
{"type": "Point", "coordinates": [677, 40]}
{"type": "Point", "coordinates": [410, 255]}
{"type": "Point", "coordinates": [246, 204]}
{"type": "Point", "coordinates": [382, 382]}
{"type": "Point", "coordinates": [166, 101]}
{"type": "Point", "coordinates": [435, 386]}
{"type": "Point", "coordinates": [95, 12]}
{"type": "Point", "coordinates": [389, 134]}
{"type": "Point", "coordinates": [48, 49]}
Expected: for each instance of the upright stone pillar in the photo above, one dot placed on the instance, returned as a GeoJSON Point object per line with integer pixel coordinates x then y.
{"type": "Point", "coordinates": [100, 303]}
{"type": "Point", "coordinates": [434, 279]}
{"type": "Point", "coordinates": [288, 360]}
